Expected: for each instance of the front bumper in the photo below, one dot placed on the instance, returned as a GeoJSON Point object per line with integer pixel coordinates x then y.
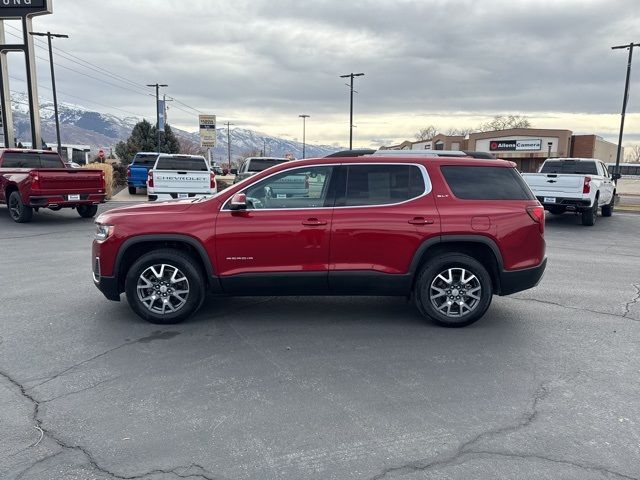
{"type": "Point", "coordinates": [518, 280]}
{"type": "Point", "coordinates": [108, 286]}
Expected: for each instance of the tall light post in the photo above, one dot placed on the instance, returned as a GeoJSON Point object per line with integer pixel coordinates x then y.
{"type": "Point", "coordinates": [304, 133]}
{"type": "Point", "coordinates": [157, 87]}
{"type": "Point", "coordinates": [228, 124]}
{"type": "Point", "coordinates": [49, 36]}
{"type": "Point", "coordinates": [624, 101]}
{"type": "Point", "coordinates": [351, 75]}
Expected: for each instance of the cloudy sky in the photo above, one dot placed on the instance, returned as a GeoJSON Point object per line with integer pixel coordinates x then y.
{"type": "Point", "coordinates": [259, 64]}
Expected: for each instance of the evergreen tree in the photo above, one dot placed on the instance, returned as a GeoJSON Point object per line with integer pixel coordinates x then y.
{"type": "Point", "coordinates": [142, 139]}
{"type": "Point", "coordinates": [168, 141]}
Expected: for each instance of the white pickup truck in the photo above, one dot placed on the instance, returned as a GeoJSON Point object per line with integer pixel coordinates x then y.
{"type": "Point", "coordinates": [580, 185]}
{"type": "Point", "coordinates": [180, 176]}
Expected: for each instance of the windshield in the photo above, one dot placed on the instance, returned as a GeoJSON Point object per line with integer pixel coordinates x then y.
{"type": "Point", "coordinates": [145, 159]}
{"type": "Point", "coordinates": [178, 163]}
{"type": "Point", "coordinates": [258, 165]}
{"type": "Point", "coordinates": [568, 166]}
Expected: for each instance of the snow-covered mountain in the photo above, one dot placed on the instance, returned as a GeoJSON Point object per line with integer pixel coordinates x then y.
{"type": "Point", "coordinates": [82, 126]}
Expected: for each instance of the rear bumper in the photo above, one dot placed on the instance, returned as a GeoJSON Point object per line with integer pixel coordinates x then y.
{"type": "Point", "coordinates": [137, 184]}
{"type": "Point", "coordinates": [567, 203]}
{"type": "Point", "coordinates": [63, 200]}
{"type": "Point", "coordinates": [519, 280]}
{"type": "Point", "coordinates": [153, 196]}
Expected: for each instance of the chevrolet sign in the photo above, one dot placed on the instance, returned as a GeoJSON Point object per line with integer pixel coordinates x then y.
{"type": "Point", "coordinates": [23, 8]}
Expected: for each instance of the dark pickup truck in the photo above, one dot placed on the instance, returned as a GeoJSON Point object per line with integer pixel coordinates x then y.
{"type": "Point", "coordinates": [34, 179]}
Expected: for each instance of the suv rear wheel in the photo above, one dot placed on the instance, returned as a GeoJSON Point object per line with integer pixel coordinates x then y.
{"type": "Point", "coordinates": [454, 290]}
{"type": "Point", "coordinates": [165, 286]}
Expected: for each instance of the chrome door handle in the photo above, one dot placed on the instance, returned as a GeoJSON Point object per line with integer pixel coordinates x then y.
{"type": "Point", "coordinates": [314, 222]}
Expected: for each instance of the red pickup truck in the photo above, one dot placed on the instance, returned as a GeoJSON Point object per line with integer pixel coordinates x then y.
{"type": "Point", "coordinates": [34, 179]}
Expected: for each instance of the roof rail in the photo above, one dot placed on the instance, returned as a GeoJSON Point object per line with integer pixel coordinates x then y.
{"type": "Point", "coordinates": [420, 153]}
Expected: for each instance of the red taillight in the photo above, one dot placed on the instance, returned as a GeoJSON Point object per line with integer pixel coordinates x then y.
{"type": "Point", "coordinates": [213, 180]}
{"type": "Point", "coordinates": [537, 215]}
{"type": "Point", "coordinates": [150, 179]}
{"type": "Point", "coordinates": [586, 187]}
{"type": "Point", "coordinates": [35, 180]}
{"type": "Point", "coordinates": [128, 172]}
{"type": "Point", "coordinates": [103, 178]}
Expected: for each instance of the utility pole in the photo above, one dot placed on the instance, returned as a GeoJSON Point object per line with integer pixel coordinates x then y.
{"type": "Point", "coordinates": [228, 124]}
{"type": "Point", "coordinates": [304, 133]}
{"type": "Point", "coordinates": [351, 75]}
{"type": "Point", "coordinates": [49, 36]}
{"type": "Point", "coordinates": [157, 87]}
{"type": "Point", "coordinates": [624, 100]}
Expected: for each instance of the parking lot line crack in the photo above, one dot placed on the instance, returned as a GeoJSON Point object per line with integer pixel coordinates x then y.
{"type": "Point", "coordinates": [179, 472]}
{"type": "Point", "coordinates": [570, 307]}
{"type": "Point", "coordinates": [73, 392]}
{"type": "Point", "coordinates": [634, 300]}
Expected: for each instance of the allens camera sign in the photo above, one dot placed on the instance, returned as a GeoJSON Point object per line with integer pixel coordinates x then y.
{"type": "Point", "coordinates": [22, 8]}
{"type": "Point", "coordinates": [515, 145]}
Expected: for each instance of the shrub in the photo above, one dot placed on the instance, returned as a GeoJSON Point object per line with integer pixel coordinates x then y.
{"type": "Point", "coordinates": [108, 175]}
{"type": "Point", "coordinates": [119, 174]}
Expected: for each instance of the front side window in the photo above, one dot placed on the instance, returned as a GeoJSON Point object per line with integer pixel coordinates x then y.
{"type": "Point", "coordinates": [382, 184]}
{"type": "Point", "coordinates": [299, 188]}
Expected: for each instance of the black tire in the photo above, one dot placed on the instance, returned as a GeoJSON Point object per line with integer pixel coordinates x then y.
{"type": "Point", "coordinates": [133, 190]}
{"type": "Point", "coordinates": [557, 210]}
{"type": "Point", "coordinates": [607, 210]}
{"type": "Point", "coordinates": [172, 259]}
{"type": "Point", "coordinates": [18, 211]}
{"type": "Point", "coordinates": [589, 216]}
{"type": "Point", "coordinates": [428, 278]}
{"type": "Point", "coordinates": [87, 211]}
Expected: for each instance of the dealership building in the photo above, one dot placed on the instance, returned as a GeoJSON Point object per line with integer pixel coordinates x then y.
{"type": "Point", "coordinates": [527, 147]}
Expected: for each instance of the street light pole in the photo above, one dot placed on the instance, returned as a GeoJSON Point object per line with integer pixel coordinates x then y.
{"type": "Point", "coordinates": [624, 101]}
{"type": "Point", "coordinates": [304, 133]}
{"type": "Point", "coordinates": [351, 75]}
{"type": "Point", "coordinates": [49, 36]}
{"type": "Point", "coordinates": [228, 124]}
{"type": "Point", "coordinates": [157, 87]}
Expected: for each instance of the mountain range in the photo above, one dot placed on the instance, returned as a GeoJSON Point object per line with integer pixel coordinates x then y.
{"type": "Point", "coordinates": [82, 126]}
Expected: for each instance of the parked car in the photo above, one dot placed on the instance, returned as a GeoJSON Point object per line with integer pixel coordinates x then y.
{"type": "Point", "coordinates": [448, 232]}
{"type": "Point", "coordinates": [138, 171]}
{"type": "Point", "coordinates": [580, 185]}
{"type": "Point", "coordinates": [253, 165]}
{"type": "Point", "coordinates": [34, 179]}
{"type": "Point", "coordinates": [180, 176]}
{"type": "Point", "coordinates": [217, 169]}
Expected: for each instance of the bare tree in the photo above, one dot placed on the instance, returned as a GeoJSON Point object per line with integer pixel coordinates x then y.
{"type": "Point", "coordinates": [503, 122]}
{"type": "Point", "coordinates": [191, 148]}
{"type": "Point", "coordinates": [458, 131]}
{"type": "Point", "coordinates": [427, 133]}
{"type": "Point", "coordinates": [632, 154]}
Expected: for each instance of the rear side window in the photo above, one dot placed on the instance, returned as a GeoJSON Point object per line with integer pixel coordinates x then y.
{"type": "Point", "coordinates": [145, 160]}
{"type": "Point", "coordinates": [486, 183]}
{"type": "Point", "coordinates": [30, 160]}
{"type": "Point", "coordinates": [176, 163]}
{"type": "Point", "coordinates": [382, 184]}
{"type": "Point", "coordinates": [568, 166]}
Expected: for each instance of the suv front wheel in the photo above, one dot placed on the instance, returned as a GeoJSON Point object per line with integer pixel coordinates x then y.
{"type": "Point", "coordinates": [165, 286]}
{"type": "Point", "coordinates": [453, 290]}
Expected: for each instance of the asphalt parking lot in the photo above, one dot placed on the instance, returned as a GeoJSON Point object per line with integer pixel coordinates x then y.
{"type": "Point", "coordinates": [546, 386]}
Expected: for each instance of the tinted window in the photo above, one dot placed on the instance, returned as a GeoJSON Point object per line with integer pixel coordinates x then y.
{"type": "Point", "coordinates": [258, 165]}
{"type": "Point", "coordinates": [177, 163]}
{"type": "Point", "coordinates": [145, 160]}
{"type": "Point", "coordinates": [568, 166]}
{"type": "Point", "coordinates": [31, 160]}
{"type": "Point", "coordinates": [299, 188]}
{"type": "Point", "coordinates": [382, 184]}
{"type": "Point", "coordinates": [486, 183]}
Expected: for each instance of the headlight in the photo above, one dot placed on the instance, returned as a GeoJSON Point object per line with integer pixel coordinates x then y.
{"type": "Point", "coordinates": [103, 231]}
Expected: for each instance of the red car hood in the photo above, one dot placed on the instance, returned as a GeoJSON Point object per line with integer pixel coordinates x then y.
{"type": "Point", "coordinates": [158, 208]}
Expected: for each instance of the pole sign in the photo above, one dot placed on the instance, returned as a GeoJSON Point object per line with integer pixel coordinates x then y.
{"type": "Point", "coordinates": [22, 8]}
{"type": "Point", "coordinates": [161, 114]}
{"type": "Point", "coordinates": [515, 145]}
{"type": "Point", "coordinates": [207, 130]}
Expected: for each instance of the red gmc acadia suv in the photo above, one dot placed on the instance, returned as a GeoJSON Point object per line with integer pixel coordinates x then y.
{"type": "Point", "coordinates": [448, 232]}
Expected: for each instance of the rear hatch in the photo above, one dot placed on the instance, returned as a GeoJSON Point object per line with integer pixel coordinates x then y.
{"type": "Point", "coordinates": [71, 180]}
{"type": "Point", "coordinates": [181, 175]}
{"type": "Point", "coordinates": [562, 184]}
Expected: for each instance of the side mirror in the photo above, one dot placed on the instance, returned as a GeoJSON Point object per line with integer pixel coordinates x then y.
{"type": "Point", "coordinates": [616, 176]}
{"type": "Point", "coordinates": [238, 202]}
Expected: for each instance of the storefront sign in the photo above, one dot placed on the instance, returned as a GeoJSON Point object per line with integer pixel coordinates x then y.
{"type": "Point", "coordinates": [207, 130]}
{"type": "Point", "coordinates": [515, 145]}
{"type": "Point", "coordinates": [22, 8]}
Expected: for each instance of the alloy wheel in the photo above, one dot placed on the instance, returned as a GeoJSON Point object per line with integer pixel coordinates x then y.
{"type": "Point", "coordinates": [163, 288]}
{"type": "Point", "coordinates": [455, 292]}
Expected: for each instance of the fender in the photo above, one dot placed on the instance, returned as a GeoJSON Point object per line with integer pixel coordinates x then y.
{"type": "Point", "coordinates": [455, 238]}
